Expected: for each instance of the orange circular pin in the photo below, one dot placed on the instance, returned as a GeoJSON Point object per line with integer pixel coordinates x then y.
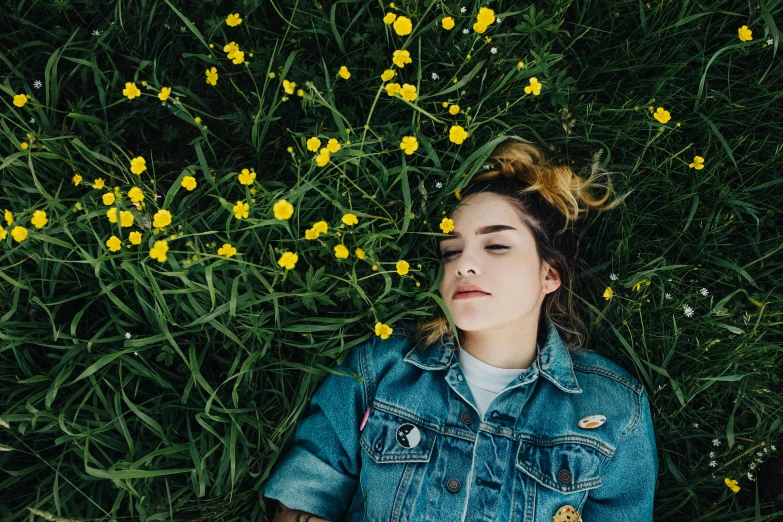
{"type": "Point", "coordinates": [592, 421]}
{"type": "Point", "coordinates": [567, 514]}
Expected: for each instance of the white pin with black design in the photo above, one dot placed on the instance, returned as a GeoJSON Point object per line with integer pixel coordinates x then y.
{"type": "Point", "coordinates": [408, 436]}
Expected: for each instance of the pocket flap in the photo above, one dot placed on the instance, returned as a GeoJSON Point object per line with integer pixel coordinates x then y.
{"type": "Point", "coordinates": [565, 466]}
{"type": "Point", "coordinates": [393, 438]}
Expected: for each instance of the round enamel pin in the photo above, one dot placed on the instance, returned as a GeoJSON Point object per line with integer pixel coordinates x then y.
{"type": "Point", "coordinates": [567, 514]}
{"type": "Point", "coordinates": [592, 421]}
{"type": "Point", "coordinates": [408, 436]}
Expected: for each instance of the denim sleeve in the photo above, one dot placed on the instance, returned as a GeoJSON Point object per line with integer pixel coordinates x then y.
{"type": "Point", "coordinates": [320, 472]}
{"type": "Point", "coordinates": [629, 478]}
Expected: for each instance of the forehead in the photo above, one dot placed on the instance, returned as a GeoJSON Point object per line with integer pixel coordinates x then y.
{"type": "Point", "coordinates": [485, 209]}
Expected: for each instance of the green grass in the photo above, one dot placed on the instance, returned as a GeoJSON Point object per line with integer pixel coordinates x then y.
{"type": "Point", "coordinates": [185, 419]}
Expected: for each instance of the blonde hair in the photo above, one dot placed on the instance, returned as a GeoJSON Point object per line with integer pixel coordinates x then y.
{"type": "Point", "coordinates": [548, 198]}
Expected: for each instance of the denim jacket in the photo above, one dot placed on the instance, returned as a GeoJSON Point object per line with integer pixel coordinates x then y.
{"type": "Point", "coordinates": [423, 454]}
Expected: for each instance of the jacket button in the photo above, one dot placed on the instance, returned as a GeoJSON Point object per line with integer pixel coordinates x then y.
{"type": "Point", "coordinates": [564, 476]}
{"type": "Point", "coordinates": [453, 485]}
{"type": "Point", "coordinates": [466, 417]}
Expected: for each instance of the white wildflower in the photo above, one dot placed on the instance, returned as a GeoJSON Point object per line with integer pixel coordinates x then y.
{"type": "Point", "coordinates": [435, 76]}
{"type": "Point", "coordinates": [96, 32]}
{"type": "Point", "coordinates": [182, 29]}
{"type": "Point", "coordinates": [713, 463]}
{"type": "Point", "coordinates": [740, 447]}
{"type": "Point", "coordinates": [687, 310]}
{"type": "Point", "coordinates": [667, 295]}
{"type": "Point", "coordinates": [712, 454]}
{"type": "Point", "coordinates": [770, 41]}
{"type": "Point", "coordinates": [37, 84]}
{"type": "Point", "coordinates": [494, 50]}
{"type": "Point", "coordinates": [498, 21]}
{"type": "Point", "coordinates": [439, 185]}
{"type": "Point", "coordinates": [613, 276]}
{"type": "Point", "coordinates": [715, 442]}
{"type": "Point", "coordinates": [750, 477]}
{"type": "Point", "coordinates": [127, 335]}
{"type": "Point", "coordinates": [773, 448]}
{"type": "Point", "coordinates": [167, 26]}
{"type": "Point", "coordinates": [765, 450]}
{"type": "Point", "coordinates": [32, 120]}
{"type": "Point", "coordinates": [136, 353]}
{"type": "Point", "coordinates": [695, 424]}
{"type": "Point", "coordinates": [704, 292]}
{"type": "Point", "coordinates": [465, 31]}
{"type": "Point", "coordinates": [463, 9]}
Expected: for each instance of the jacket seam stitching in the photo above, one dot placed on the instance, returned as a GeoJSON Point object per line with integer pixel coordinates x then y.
{"type": "Point", "coordinates": [635, 387]}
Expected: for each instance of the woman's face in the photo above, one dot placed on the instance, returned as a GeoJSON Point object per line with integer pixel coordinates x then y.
{"type": "Point", "coordinates": [503, 263]}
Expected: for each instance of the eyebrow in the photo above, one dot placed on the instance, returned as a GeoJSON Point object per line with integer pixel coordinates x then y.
{"type": "Point", "coordinates": [483, 230]}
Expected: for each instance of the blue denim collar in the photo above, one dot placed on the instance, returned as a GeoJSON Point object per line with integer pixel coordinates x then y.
{"type": "Point", "coordinates": [553, 358]}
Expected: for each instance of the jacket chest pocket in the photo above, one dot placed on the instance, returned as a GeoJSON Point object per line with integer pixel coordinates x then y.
{"type": "Point", "coordinates": [396, 450]}
{"type": "Point", "coordinates": [552, 475]}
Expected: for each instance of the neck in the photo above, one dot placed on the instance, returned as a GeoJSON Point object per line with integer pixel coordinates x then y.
{"type": "Point", "coordinates": [512, 347]}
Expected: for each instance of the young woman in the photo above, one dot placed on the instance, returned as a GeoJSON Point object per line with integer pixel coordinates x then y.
{"type": "Point", "coordinates": [509, 421]}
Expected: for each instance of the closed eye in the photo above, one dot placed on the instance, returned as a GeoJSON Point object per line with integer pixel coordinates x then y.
{"type": "Point", "coordinates": [450, 253]}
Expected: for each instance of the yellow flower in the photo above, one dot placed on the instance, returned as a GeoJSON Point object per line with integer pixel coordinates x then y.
{"type": "Point", "coordinates": [288, 260]}
{"type": "Point", "coordinates": [246, 177]}
{"type": "Point", "coordinates": [402, 267]}
{"type": "Point", "coordinates": [98, 183]}
{"type": "Point", "coordinates": [322, 158]}
{"type": "Point", "coordinates": [638, 285]}
{"type": "Point", "coordinates": [383, 330]}
{"type": "Point", "coordinates": [408, 92]}
{"type": "Point", "coordinates": [288, 86]}
{"type": "Point", "coordinates": [446, 225]}
{"type": "Point", "coordinates": [24, 145]}
{"type": "Point", "coordinates": [454, 109]}
{"type": "Point", "coordinates": [112, 214]}
{"type": "Point", "coordinates": [388, 74]}
{"type": "Point", "coordinates": [158, 251]}
{"type": "Point", "coordinates": [8, 216]}
{"type": "Point", "coordinates": [359, 253]}
{"type": "Point", "coordinates": [458, 194]}
{"type": "Point", "coordinates": [698, 163]}
{"type": "Point", "coordinates": [237, 57]}
{"type": "Point", "coordinates": [241, 210]}
{"type": "Point", "coordinates": [227, 250]}
{"type": "Point", "coordinates": [340, 252]}
{"type": "Point", "coordinates": [486, 16]}
{"type": "Point", "coordinates": [212, 76]}
{"type": "Point", "coordinates": [402, 25]}
{"type": "Point", "coordinates": [520, 65]}
{"type": "Point", "coordinates": [732, 484]}
{"type": "Point", "coordinates": [333, 145]}
{"type": "Point", "coordinates": [608, 293]}
{"type": "Point", "coordinates": [400, 58]}
{"type": "Point", "coordinates": [77, 179]}
{"type": "Point", "coordinates": [447, 23]}
{"type": "Point", "coordinates": [311, 233]}
{"type": "Point", "coordinates": [457, 134]}
{"type": "Point", "coordinates": [409, 144]}
{"type": "Point", "coordinates": [108, 198]}
{"type": "Point", "coordinates": [126, 218]}
{"type": "Point", "coordinates": [39, 219]}
{"type": "Point", "coordinates": [283, 209]}
{"type": "Point", "coordinates": [138, 165]}
{"type": "Point", "coordinates": [300, 92]}
{"type": "Point", "coordinates": [745, 33]}
{"type": "Point", "coordinates": [392, 88]}
{"type": "Point", "coordinates": [131, 91]}
{"type": "Point", "coordinates": [389, 18]}
{"type": "Point", "coordinates": [662, 115]}
{"type": "Point", "coordinates": [135, 237]}
{"type": "Point", "coordinates": [135, 194]}
{"type": "Point", "coordinates": [3, 234]}
{"type": "Point", "coordinates": [233, 20]}
{"type": "Point", "coordinates": [313, 144]}
{"type": "Point", "coordinates": [164, 93]}
{"type": "Point", "coordinates": [343, 72]}
{"type": "Point", "coordinates": [188, 183]}
{"type": "Point", "coordinates": [230, 48]}
{"type": "Point", "coordinates": [20, 100]}
{"type": "Point", "coordinates": [161, 219]}
{"type": "Point", "coordinates": [479, 28]}
{"type": "Point", "coordinates": [534, 87]}
{"type": "Point", "coordinates": [19, 233]}
{"type": "Point", "coordinates": [350, 219]}
{"type": "Point", "coordinates": [321, 227]}
{"type": "Point", "coordinates": [114, 243]}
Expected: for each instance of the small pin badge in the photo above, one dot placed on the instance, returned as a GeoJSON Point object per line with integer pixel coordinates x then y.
{"type": "Point", "coordinates": [567, 514]}
{"type": "Point", "coordinates": [408, 436]}
{"type": "Point", "coordinates": [592, 421]}
{"type": "Point", "coordinates": [364, 420]}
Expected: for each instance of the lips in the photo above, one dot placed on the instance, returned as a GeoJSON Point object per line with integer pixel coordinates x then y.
{"type": "Point", "coordinates": [467, 289]}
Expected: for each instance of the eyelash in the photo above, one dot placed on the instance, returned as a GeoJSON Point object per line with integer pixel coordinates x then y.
{"type": "Point", "coordinates": [449, 253]}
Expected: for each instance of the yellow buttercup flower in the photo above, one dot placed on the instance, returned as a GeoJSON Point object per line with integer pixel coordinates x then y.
{"type": "Point", "coordinates": [408, 92]}
{"type": "Point", "coordinates": [313, 144]}
{"type": "Point", "coordinates": [135, 237]}
{"type": "Point", "coordinates": [402, 267]}
{"type": "Point", "coordinates": [112, 214]}
{"type": "Point", "coordinates": [389, 18]}
{"type": "Point", "coordinates": [732, 484]}
{"type": "Point", "coordinates": [662, 115]}
{"type": "Point", "coordinates": [39, 219]}
{"type": "Point", "coordinates": [400, 58]}
{"type": "Point", "coordinates": [447, 23]}
{"type": "Point", "coordinates": [77, 179]}
{"type": "Point", "coordinates": [698, 163]}
{"type": "Point", "coordinates": [458, 194]}
{"type": "Point", "coordinates": [745, 34]}
{"type": "Point", "coordinates": [188, 183]}
{"type": "Point", "coordinates": [98, 183]}
{"type": "Point", "coordinates": [388, 74]}
{"type": "Point", "coordinates": [409, 144]}
{"type": "Point", "coordinates": [479, 28]}
{"type": "Point", "coordinates": [638, 285]}
{"type": "Point", "coordinates": [108, 198]}
{"type": "Point", "coordinates": [333, 145]}
{"type": "Point", "coordinates": [24, 145]}
{"type": "Point", "coordinates": [343, 72]}
{"type": "Point", "coordinates": [311, 233]}
{"type": "Point", "coordinates": [164, 93]}
{"type": "Point", "coordinates": [359, 253]}
{"type": "Point", "coordinates": [383, 330]}
{"type": "Point", "coordinates": [283, 209]}
{"type": "Point", "coordinates": [162, 218]}
{"type": "Point", "coordinates": [608, 293]}
{"type": "Point", "coordinates": [131, 91]}
{"type": "Point", "coordinates": [233, 20]}
{"type": "Point", "coordinates": [237, 57]}
{"type": "Point", "coordinates": [241, 210]}
{"type": "Point", "coordinates": [114, 243]}
{"type": "Point", "coordinates": [126, 218]}
{"type": "Point", "coordinates": [288, 260]}
{"type": "Point", "coordinates": [212, 76]}
{"type": "Point", "coordinates": [534, 87]}
{"type": "Point", "coordinates": [3, 234]}
{"type": "Point", "coordinates": [392, 88]}
{"type": "Point", "coordinates": [322, 159]}
{"type": "Point", "coordinates": [446, 225]}
{"type": "Point", "coordinates": [246, 177]}
{"type": "Point", "coordinates": [520, 65]}
{"type": "Point", "coordinates": [19, 233]}
{"type": "Point", "coordinates": [402, 26]}
{"type": "Point", "coordinates": [138, 165]}
{"type": "Point", "coordinates": [321, 227]}
{"type": "Point", "coordinates": [230, 47]}
{"type": "Point", "coordinates": [300, 92]}
{"type": "Point", "coordinates": [227, 250]}
{"type": "Point", "coordinates": [288, 86]}
{"type": "Point", "coordinates": [486, 16]}
{"type": "Point", "coordinates": [457, 134]}
{"type": "Point", "coordinates": [8, 216]}
{"type": "Point", "coordinates": [454, 109]}
{"type": "Point", "coordinates": [136, 195]}
{"type": "Point", "coordinates": [340, 252]}
{"type": "Point", "coordinates": [350, 219]}
{"type": "Point", "coordinates": [159, 250]}
{"type": "Point", "coordinates": [20, 100]}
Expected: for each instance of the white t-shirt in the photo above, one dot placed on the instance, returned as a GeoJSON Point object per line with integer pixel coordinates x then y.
{"type": "Point", "coordinates": [485, 381]}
